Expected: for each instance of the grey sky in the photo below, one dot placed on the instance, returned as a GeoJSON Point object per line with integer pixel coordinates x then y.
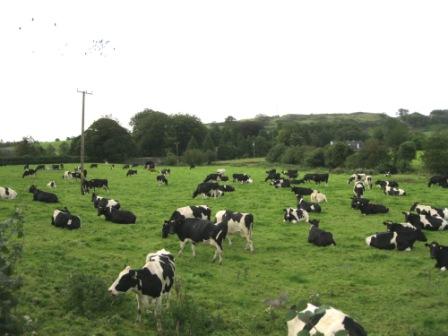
{"type": "Point", "coordinates": [216, 58]}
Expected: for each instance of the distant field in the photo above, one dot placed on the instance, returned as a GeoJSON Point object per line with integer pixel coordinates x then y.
{"type": "Point", "coordinates": [390, 293]}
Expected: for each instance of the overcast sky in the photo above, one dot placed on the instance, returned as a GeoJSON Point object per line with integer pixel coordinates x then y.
{"type": "Point", "coordinates": [216, 58]}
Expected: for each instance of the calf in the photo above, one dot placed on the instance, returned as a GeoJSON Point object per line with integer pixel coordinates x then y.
{"type": "Point", "coordinates": [405, 228]}
{"type": "Point", "coordinates": [95, 183]}
{"type": "Point", "coordinates": [401, 241]}
{"type": "Point", "coordinates": [358, 189]}
{"type": "Point", "coordinates": [326, 321]}
{"type": "Point", "coordinates": [308, 206]}
{"type": "Point", "coordinates": [393, 191]}
{"type": "Point", "coordinates": [51, 184]}
{"type": "Point", "coordinates": [440, 253]}
{"type": "Point", "coordinates": [371, 209]}
{"type": "Point", "coordinates": [117, 216]}
{"type": "Point", "coordinates": [295, 215]}
{"type": "Point", "coordinates": [382, 184]}
{"type": "Point", "coordinates": [226, 188]}
{"type": "Point", "coordinates": [64, 219]}
{"type": "Point", "coordinates": [432, 223]}
{"type": "Point", "coordinates": [150, 282]}
{"type": "Point", "coordinates": [7, 193]}
{"type": "Point", "coordinates": [195, 231]}
{"type": "Point", "coordinates": [319, 237]}
{"type": "Point", "coordinates": [238, 222]}
{"type": "Point", "coordinates": [429, 210]}
{"type": "Point", "coordinates": [42, 196]}
{"type": "Point", "coordinates": [318, 197]}
{"type": "Point", "coordinates": [192, 211]}
{"type": "Point", "coordinates": [242, 178]}
{"type": "Point", "coordinates": [131, 172]}
{"type": "Point", "coordinates": [161, 179]}
{"type": "Point", "coordinates": [205, 188]}
{"type": "Point", "coordinates": [29, 172]}
{"type": "Point", "coordinates": [357, 202]}
{"type": "Point", "coordinates": [102, 202]}
{"type": "Point", "coordinates": [299, 191]}
{"type": "Point", "coordinates": [441, 180]}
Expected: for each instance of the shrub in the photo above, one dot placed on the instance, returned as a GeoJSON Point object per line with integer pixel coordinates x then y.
{"type": "Point", "coordinates": [194, 157]}
{"type": "Point", "coordinates": [316, 158]}
{"type": "Point", "coordinates": [275, 153]}
{"type": "Point", "coordinates": [435, 156]}
{"type": "Point", "coordinates": [170, 159]}
{"type": "Point", "coordinates": [292, 155]}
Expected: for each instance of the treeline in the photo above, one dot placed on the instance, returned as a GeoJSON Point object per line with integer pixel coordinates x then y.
{"type": "Point", "coordinates": [359, 140]}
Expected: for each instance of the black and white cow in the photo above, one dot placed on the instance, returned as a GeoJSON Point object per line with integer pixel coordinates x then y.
{"type": "Point", "coordinates": [126, 166]}
{"type": "Point", "coordinates": [131, 172]}
{"type": "Point", "coordinates": [427, 222]}
{"type": "Point", "coordinates": [205, 189]}
{"type": "Point", "coordinates": [150, 283]}
{"type": "Point", "coordinates": [26, 166]}
{"type": "Point", "coordinates": [64, 219]}
{"type": "Point", "coordinates": [40, 167]}
{"type": "Point", "coordinates": [440, 253]}
{"type": "Point", "coordinates": [226, 188]}
{"type": "Point", "coordinates": [215, 177]}
{"type": "Point", "coordinates": [29, 172]}
{"type": "Point", "coordinates": [317, 178]}
{"type": "Point", "coordinates": [195, 231]}
{"type": "Point", "coordinates": [242, 178]}
{"type": "Point", "coordinates": [94, 165]}
{"type": "Point", "coordinates": [368, 208]}
{"type": "Point", "coordinates": [330, 322]}
{"type": "Point", "coordinates": [366, 179]}
{"type": "Point", "coordinates": [192, 211]}
{"type": "Point", "coordinates": [394, 191]}
{"type": "Point", "coordinates": [95, 183]}
{"type": "Point", "coordinates": [319, 237]}
{"type": "Point", "coordinates": [300, 191]}
{"type": "Point", "coordinates": [165, 172]}
{"type": "Point", "coordinates": [308, 206]}
{"type": "Point", "coordinates": [161, 179]}
{"type": "Point", "coordinates": [295, 215]}
{"type": "Point", "coordinates": [441, 180]}
{"type": "Point", "coordinates": [358, 189]}
{"type": "Point", "coordinates": [117, 216]}
{"type": "Point", "coordinates": [382, 184]}
{"type": "Point", "coordinates": [7, 193]}
{"type": "Point", "coordinates": [402, 241]}
{"type": "Point", "coordinates": [51, 184]}
{"type": "Point", "coordinates": [150, 165]}
{"type": "Point", "coordinates": [405, 228]}
{"type": "Point", "coordinates": [427, 209]}
{"type": "Point", "coordinates": [291, 173]}
{"type": "Point", "coordinates": [67, 175]}
{"type": "Point", "coordinates": [42, 196]}
{"type": "Point", "coordinates": [102, 202]}
{"type": "Point", "coordinates": [281, 183]}
{"type": "Point", "coordinates": [357, 202]}
{"type": "Point", "coordinates": [238, 222]}
{"type": "Point", "coordinates": [272, 175]}
{"type": "Point", "coordinates": [55, 167]}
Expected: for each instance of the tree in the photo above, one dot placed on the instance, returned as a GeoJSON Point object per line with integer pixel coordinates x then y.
{"type": "Point", "coordinates": [407, 151]}
{"type": "Point", "coordinates": [193, 143]}
{"type": "Point", "coordinates": [194, 157]}
{"type": "Point", "coordinates": [64, 148]}
{"type": "Point", "coordinates": [336, 154]}
{"type": "Point", "coordinates": [395, 133]}
{"type": "Point", "coordinates": [208, 143]}
{"type": "Point", "coordinates": [105, 139]}
{"type": "Point", "coordinates": [402, 112]}
{"type": "Point", "coordinates": [276, 152]}
{"type": "Point", "coordinates": [181, 128]}
{"type": "Point", "coordinates": [50, 150]}
{"type": "Point", "coordinates": [28, 146]}
{"type": "Point", "coordinates": [373, 154]}
{"type": "Point", "coordinates": [316, 158]}
{"type": "Point", "coordinates": [435, 156]}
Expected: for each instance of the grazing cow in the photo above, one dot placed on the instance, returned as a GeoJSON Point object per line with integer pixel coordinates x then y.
{"type": "Point", "coordinates": [281, 183]}
{"type": "Point", "coordinates": [226, 188]}
{"type": "Point", "coordinates": [192, 211]}
{"type": "Point", "coordinates": [402, 241]}
{"type": "Point", "coordinates": [94, 165]}
{"type": "Point", "coordinates": [150, 282]}
{"type": "Point", "coordinates": [299, 191]}
{"type": "Point", "coordinates": [221, 171]}
{"type": "Point", "coordinates": [273, 170]}
{"type": "Point", "coordinates": [42, 196]}
{"type": "Point", "coordinates": [205, 188]}
{"type": "Point", "coordinates": [126, 166]}
{"type": "Point", "coordinates": [51, 184]}
{"type": "Point", "coordinates": [215, 177]}
{"type": "Point", "coordinates": [165, 172]}
{"type": "Point", "coordinates": [55, 167]}
{"type": "Point", "coordinates": [431, 223]}
{"type": "Point", "coordinates": [308, 206]}
{"type": "Point", "coordinates": [318, 197]}
{"type": "Point", "coordinates": [95, 183]}
{"type": "Point", "coordinates": [319, 237]}
{"type": "Point", "coordinates": [405, 228]}
{"type": "Point", "coordinates": [67, 175]}
{"type": "Point", "coordinates": [102, 202]}
{"type": "Point", "coordinates": [40, 167]}
{"type": "Point", "coordinates": [64, 219]}
{"type": "Point", "coordinates": [117, 216]}
{"type": "Point", "coordinates": [440, 254]}
{"type": "Point", "coordinates": [295, 215]}
{"type": "Point", "coordinates": [383, 184]}
{"type": "Point", "coordinates": [441, 180]}
{"type": "Point", "coordinates": [7, 193]}
{"type": "Point", "coordinates": [161, 179]}
{"type": "Point", "coordinates": [317, 178]}
{"type": "Point", "coordinates": [291, 173]}
{"type": "Point", "coordinates": [427, 209]}
{"type": "Point", "coordinates": [195, 231]}
{"type": "Point", "coordinates": [26, 166]}
{"type": "Point", "coordinates": [325, 321]}
{"type": "Point", "coordinates": [242, 178]}
{"type": "Point", "coordinates": [357, 202]}
{"type": "Point", "coordinates": [150, 165]}
{"type": "Point", "coordinates": [356, 178]}
{"type": "Point", "coordinates": [238, 222]}
{"type": "Point", "coordinates": [272, 175]}
{"type": "Point", "coordinates": [300, 181]}
{"type": "Point", "coordinates": [394, 191]}
{"type": "Point", "coordinates": [358, 189]}
{"type": "Point", "coordinates": [215, 193]}
{"type": "Point", "coordinates": [29, 172]}
{"type": "Point", "coordinates": [371, 209]}
{"type": "Point", "coordinates": [131, 172]}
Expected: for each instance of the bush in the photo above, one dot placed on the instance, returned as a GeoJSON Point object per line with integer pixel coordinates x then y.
{"type": "Point", "coordinates": [292, 155]}
{"type": "Point", "coordinates": [275, 153]}
{"type": "Point", "coordinates": [194, 157]}
{"type": "Point", "coordinates": [435, 156]}
{"type": "Point", "coordinates": [316, 158]}
{"type": "Point", "coordinates": [170, 159]}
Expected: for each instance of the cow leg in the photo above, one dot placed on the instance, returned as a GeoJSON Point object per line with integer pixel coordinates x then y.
{"type": "Point", "coordinates": [218, 251]}
{"type": "Point", "coordinates": [193, 249]}
{"type": "Point", "coordinates": [139, 308]}
{"type": "Point", "coordinates": [157, 310]}
{"type": "Point", "coordinates": [228, 238]}
{"type": "Point", "coordinates": [182, 245]}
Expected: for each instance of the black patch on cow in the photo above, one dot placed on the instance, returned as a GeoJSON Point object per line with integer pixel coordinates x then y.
{"type": "Point", "coordinates": [353, 328]}
{"type": "Point", "coordinates": [127, 281]}
{"type": "Point", "coordinates": [7, 191]}
{"type": "Point", "coordinates": [314, 319]}
{"type": "Point", "coordinates": [149, 283]}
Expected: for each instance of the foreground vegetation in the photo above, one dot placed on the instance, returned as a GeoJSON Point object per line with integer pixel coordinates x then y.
{"type": "Point", "coordinates": [66, 273]}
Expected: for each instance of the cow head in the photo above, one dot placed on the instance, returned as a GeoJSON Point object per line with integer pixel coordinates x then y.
{"type": "Point", "coordinates": [125, 280]}
{"type": "Point", "coordinates": [314, 222]}
{"type": "Point", "coordinates": [351, 179]}
{"type": "Point", "coordinates": [32, 189]}
{"type": "Point", "coordinates": [413, 206]}
{"type": "Point", "coordinates": [434, 248]}
{"type": "Point", "coordinates": [93, 197]}
{"type": "Point", "coordinates": [168, 228]}
{"type": "Point", "coordinates": [102, 210]}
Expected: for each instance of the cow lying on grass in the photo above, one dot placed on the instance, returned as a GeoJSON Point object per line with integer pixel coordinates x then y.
{"type": "Point", "coordinates": [64, 219]}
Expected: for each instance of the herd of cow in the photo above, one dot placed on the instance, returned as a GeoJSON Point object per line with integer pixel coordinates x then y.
{"type": "Point", "coordinates": [193, 224]}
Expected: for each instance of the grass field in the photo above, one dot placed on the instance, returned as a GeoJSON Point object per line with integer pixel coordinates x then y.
{"type": "Point", "coordinates": [388, 292]}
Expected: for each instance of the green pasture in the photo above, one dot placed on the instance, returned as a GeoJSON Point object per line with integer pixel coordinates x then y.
{"type": "Point", "coordinates": [388, 292]}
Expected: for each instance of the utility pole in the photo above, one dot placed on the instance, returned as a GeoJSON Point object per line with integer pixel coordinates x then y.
{"type": "Point", "coordinates": [82, 138]}
{"type": "Point", "coordinates": [177, 152]}
{"type": "Point", "coordinates": [253, 149]}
